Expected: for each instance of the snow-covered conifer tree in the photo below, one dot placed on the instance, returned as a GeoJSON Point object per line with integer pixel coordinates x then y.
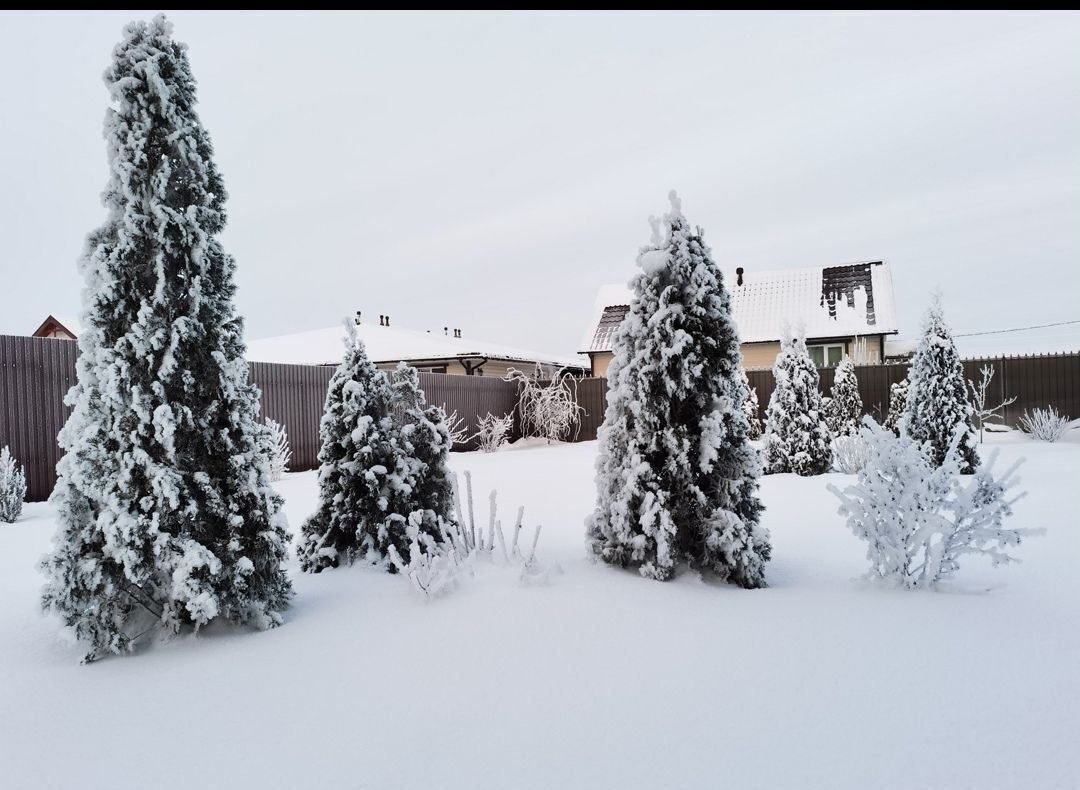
{"type": "Point", "coordinates": [166, 515]}
{"type": "Point", "coordinates": [845, 405]}
{"type": "Point", "coordinates": [356, 462]}
{"type": "Point", "coordinates": [897, 404]}
{"type": "Point", "coordinates": [750, 407]}
{"type": "Point", "coordinates": [12, 487]}
{"type": "Point", "coordinates": [796, 436]}
{"type": "Point", "coordinates": [424, 491]}
{"type": "Point", "coordinates": [676, 476]}
{"type": "Point", "coordinates": [937, 398]}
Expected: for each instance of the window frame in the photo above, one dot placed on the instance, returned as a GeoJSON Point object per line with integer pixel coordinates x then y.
{"type": "Point", "coordinates": [825, 347]}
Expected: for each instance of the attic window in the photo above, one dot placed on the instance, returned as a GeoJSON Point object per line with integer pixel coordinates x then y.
{"type": "Point", "coordinates": [609, 322]}
{"type": "Point", "coordinates": [841, 282]}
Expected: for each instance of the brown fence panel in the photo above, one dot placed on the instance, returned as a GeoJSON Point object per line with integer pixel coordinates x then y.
{"type": "Point", "coordinates": [35, 374]}
{"type": "Point", "coordinates": [592, 396]}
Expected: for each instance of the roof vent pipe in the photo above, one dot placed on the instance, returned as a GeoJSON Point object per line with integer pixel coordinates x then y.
{"type": "Point", "coordinates": [738, 275]}
{"type": "Point", "coordinates": [388, 320]}
{"type": "Point", "coordinates": [357, 319]}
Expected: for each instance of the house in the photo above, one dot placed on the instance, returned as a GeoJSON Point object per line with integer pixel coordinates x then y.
{"type": "Point", "coordinates": [445, 351]}
{"type": "Point", "coordinates": [846, 310]}
{"type": "Point", "coordinates": [60, 327]}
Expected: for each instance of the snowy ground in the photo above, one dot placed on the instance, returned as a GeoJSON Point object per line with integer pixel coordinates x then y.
{"type": "Point", "coordinates": [600, 679]}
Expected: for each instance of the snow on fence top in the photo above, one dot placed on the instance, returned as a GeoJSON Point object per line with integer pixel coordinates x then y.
{"type": "Point", "coordinates": [393, 344]}
{"type": "Point", "coordinates": [832, 301]}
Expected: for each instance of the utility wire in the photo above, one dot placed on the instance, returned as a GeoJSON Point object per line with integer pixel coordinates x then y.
{"type": "Point", "coordinates": [1017, 329]}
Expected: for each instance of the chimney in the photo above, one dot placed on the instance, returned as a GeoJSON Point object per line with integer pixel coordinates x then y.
{"type": "Point", "coordinates": [446, 330]}
{"type": "Point", "coordinates": [357, 319]}
{"type": "Point", "coordinates": [388, 320]}
{"type": "Point", "coordinates": [738, 275]}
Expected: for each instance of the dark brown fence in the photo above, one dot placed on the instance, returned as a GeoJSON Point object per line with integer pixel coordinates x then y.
{"type": "Point", "coordinates": [1035, 381]}
{"type": "Point", "coordinates": [35, 374]}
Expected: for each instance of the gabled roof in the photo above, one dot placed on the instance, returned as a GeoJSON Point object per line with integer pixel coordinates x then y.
{"type": "Point", "coordinates": [394, 344]}
{"type": "Point", "coordinates": [70, 324]}
{"type": "Point", "coordinates": [829, 301]}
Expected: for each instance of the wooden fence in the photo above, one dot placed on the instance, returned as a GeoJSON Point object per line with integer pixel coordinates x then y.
{"type": "Point", "coordinates": [35, 374]}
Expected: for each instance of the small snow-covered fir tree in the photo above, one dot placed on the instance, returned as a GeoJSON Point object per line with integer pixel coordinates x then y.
{"type": "Point", "coordinates": [12, 487]}
{"type": "Point", "coordinates": [356, 461]}
{"type": "Point", "coordinates": [280, 453]}
{"type": "Point", "coordinates": [165, 511]}
{"type": "Point", "coordinates": [845, 403]}
{"type": "Point", "coordinates": [796, 436]}
{"type": "Point", "coordinates": [937, 397]}
{"type": "Point", "coordinates": [676, 475]}
{"type": "Point", "coordinates": [918, 518]}
{"type": "Point", "coordinates": [897, 404]}
{"type": "Point", "coordinates": [423, 492]}
{"type": "Point", "coordinates": [750, 407]}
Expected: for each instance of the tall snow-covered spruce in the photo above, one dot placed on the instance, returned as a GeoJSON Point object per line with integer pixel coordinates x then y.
{"type": "Point", "coordinates": [676, 475]}
{"type": "Point", "coordinates": [796, 436]}
{"type": "Point", "coordinates": [383, 477]}
{"type": "Point", "coordinates": [750, 407]}
{"type": "Point", "coordinates": [937, 397]}
{"type": "Point", "coordinates": [166, 515]}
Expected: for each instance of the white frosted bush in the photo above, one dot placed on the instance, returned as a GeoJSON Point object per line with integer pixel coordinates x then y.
{"type": "Point", "coordinates": [918, 519]}
{"type": "Point", "coordinates": [1046, 425]}
{"type": "Point", "coordinates": [493, 431]}
{"type": "Point", "coordinates": [550, 410]}
{"type": "Point", "coordinates": [850, 454]}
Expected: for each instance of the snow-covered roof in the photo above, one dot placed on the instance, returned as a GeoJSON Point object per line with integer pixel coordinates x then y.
{"type": "Point", "coordinates": [829, 301]}
{"type": "Point", "coordinates": [393, 344]}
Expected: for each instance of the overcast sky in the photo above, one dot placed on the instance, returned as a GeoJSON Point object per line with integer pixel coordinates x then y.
{"type": "Point", "coordinates": [489, 172]}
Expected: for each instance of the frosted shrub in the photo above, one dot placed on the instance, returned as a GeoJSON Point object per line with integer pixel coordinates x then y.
{"type": "Point", "coordinates": [456, 427]}
{"type": "Point", "coordinates": [434, 568]}
{"type": "Point", "coordinates": [280, 453]}
{"type": "Point", "coordinates": [850, 454]}
{"type": "Point", "coordinates": [493, 431]}
{"type": "Point", "coordinates": [549, 410]}
{"type": "Point", "coordinates": [1046, 425]}
{"type": "Point", "coordinates": [919, 518]}
{"type": "Point", "coordinates": [12, 487]}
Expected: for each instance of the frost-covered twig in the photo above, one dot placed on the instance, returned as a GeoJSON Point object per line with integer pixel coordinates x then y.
{"type": "Point", "coordinates": [459, 431]}
{"type": "Point", "coordinates": [549, 411]}
{"type": "Point", "coordinates": [1046, 425]}
{"type": "Point", "coordinates": [983, 412]}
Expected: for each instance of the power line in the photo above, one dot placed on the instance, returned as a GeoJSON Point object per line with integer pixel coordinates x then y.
{"type": "Point", "coordinates": [1017, 329]}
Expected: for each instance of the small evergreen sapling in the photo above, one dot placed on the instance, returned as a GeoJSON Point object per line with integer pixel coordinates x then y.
{"type": "Point", "coordinates": [937, 399]}
{"type": "Point", "coordinates": [677, 477]}
{"type": "Point", "coordinates": [845, 403]}
{"type": "Point", "coordinates": [897, 404]}
{"type": "Point", "coordinates": [750, 407]}
{"type": "Point", "coordinates": [279, 450]}
{"type": "Point", "coordinates": [355, 461]}
{"type": "Point", "coordinates": [919, 518]}
{"type": "Point", "coordinates": [12, 487]}
{"type": "Point", "coordinates": [796, 435]}
{"type": "Point", "coordinates": [165, 512]}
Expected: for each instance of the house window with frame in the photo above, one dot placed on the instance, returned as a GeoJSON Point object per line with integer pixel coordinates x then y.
{"type": "Point", "coordinates": [827, 355]}
{"type": "Point", "coordinates": [432, 369]}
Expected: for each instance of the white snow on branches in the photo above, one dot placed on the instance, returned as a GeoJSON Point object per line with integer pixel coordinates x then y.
{"type": "Point", "coordinates": [918, 518]}
{"type": "Point", "coordinates": [280, 453]}
{"type": "Point", "coordinates": [493, 431]}
{"type": "Point", "coordinates": [550, 410]}
{"type": "Point", "coordinates": [12, 487]}
{"type": "Point", "coordinates": [1046, 425]}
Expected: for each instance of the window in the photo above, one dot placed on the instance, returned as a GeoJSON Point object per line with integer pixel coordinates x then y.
{"type": "Point", "coordinates": [827, 355]}
{"type": "Point", "coordinates": [433, 369]}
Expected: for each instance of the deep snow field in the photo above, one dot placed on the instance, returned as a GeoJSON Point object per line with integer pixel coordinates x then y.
{"type": "Point", "coordinates": [599, 679]}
